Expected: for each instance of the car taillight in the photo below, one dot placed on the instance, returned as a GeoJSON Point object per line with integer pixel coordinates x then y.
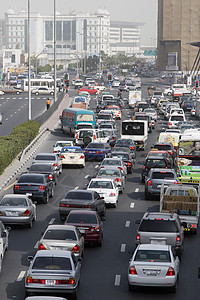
{"type": "Point", "coordinates": [29, 280]}
{"type": "Point", "coordinates": [132, 271]}
{"type": "Point", "coordinates": [16, 187]}
{"type": "Point", "coordinates": [112, 194]}
{"type": "Point", "coordinates": [88, 206]}
{"type": "Point", "coordinates": [62, 205]}
{"type": "Point", "coordinates": [176, 182]}
{"type": "Point", "coordinates": [95, 137]}
{"type": "Point", "coordinates": [99, 151]}
{"type": "Point", "coordinates": [76, 248]}
{"type": "Point", "coordinates": [143, 167]}
{"type": "Point", "coordinates": [170, 272]}
{"type": "Point", "coordinates": [55, 151]}
{"type": "Point", "coordinates": [118, 179]}
{"type": "Point", "coordinates": [50, 177]}
{"type": "Point", "coordinates": [193, 225]}
{"type": "Point", "coordinates": [178, 238]}
{"type": "Point", "coordinates": [62, 156]}
{"type": "Point", "coordinates": [1, 213]}
{"type": "Point", "coordinates": [55, 165]}
{"type": "Point", "coordinates": [26, 213]}
{"type": "Point", "coordinates": [82, 157]}
{"type": "Point", "coordinates": [76, 136]}
{"type": "Point", "coordinates": [138, 237]}
{"type": "Point", "coordinates": [120, 168]}
{"type": "Point", "coordinates": [41, 247]}
{"type": "Point", "coordinates": [149, 182]}
{"type": "Point", "coordinates": [129, 164]}
{"type": "Point", "coordinates": [171, 152]}
{"type": "Point", "coordinates": [41, 188]}
{"type": "Point", "coordinates": [63, 281]}
{"type": "Point", "coordinates": [169, 124]}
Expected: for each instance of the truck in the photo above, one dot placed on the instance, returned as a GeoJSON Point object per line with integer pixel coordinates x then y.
{"type": "Point", "coordinates": [178, 90]}
{"type": "Point", "coordinates": [183, 200]}
{"type": "Point", "coordinates": [137, 130]}
{"type": "Point", "coordinates": [133, 98]}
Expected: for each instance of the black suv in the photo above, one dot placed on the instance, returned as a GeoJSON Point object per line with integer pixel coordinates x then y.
{"type": "Point", "coordinates": [154, 162]}
{"type": "Point", "coordinates": [39, 185]}
{"type": "Point", "coordinates": [161, 228]}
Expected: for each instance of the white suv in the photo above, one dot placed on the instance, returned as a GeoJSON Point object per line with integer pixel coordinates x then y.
{"type": "Point", "coordinates": [85, 136]}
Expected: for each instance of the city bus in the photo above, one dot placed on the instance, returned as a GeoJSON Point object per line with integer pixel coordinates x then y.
{"type": "Point", "coordinates": [72, 117]}
{"type": "Point", "coordinates": [36, 83]}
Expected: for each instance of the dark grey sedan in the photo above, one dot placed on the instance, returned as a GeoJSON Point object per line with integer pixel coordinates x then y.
{"type": "Point", "coordinates": [17, 209]}
{"type": "Point", "coordinates": [81, 199]}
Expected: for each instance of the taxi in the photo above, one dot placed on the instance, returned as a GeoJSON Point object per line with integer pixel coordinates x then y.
{"type": "Point", "coordinates": [160, 102]}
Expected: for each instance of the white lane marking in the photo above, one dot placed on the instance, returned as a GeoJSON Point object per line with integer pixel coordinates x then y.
{"type": "Point", "coordinates": [20, 98]}
{"type": "Point", "coordinates": [21, 275]}
{"type": "Point", "coordinates": [14, 98]}
{"type": "Point", "coordinates": [86, 176]}
{"type": "Point", "coordinates": [117, 280]}
{"type": "Point", "coordinates": [22, 106]}
{"type": "Point", "coordinates": [96, 166]}
{"type": "Point", "coordinates": [8, 98]}
{"type": "Point", "coordinates": [123, 247]}
{"type": "Point", "coordinates": [36, 245]}
{"type": "Point", "coordinates": [11, 115]}
{"type": "Point", "coordinates": [19, 109]}
{"type": "Point", "coordinates": [136, 190]}
{"type": "Point", "coordinates": [127, 224]}
{"type": "Point", "coordinates": [132, 205]}
{"type": "Point", "coordinates": [76, 188]}
{"type": "Point", "coordinates": [7, 119]}
{"type": "Point", "coordinates": [52, 221]}
{"type": "Point", "coordinates": [15, 112]}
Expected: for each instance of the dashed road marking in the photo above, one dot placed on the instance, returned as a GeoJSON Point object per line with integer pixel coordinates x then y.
{"type": "Point", "coordinates": [76, 188]}
{"type": "Point", "coordinates": [136, 190]}
{"type": "Point", "coordinates": [86, 176]}
{"type": "Point", "coordinates": [132, 205]}
{"type": "Point", "coordinates": [21, 275]}
{"type": "Point", "coordinates": [117, 280]}
{"type": "Point", "coordinates": [52, 221]}
{"type": "Point", "coordinates": [127, 224]}
{"type": "Point", "coordinates": [123, 247]}
{"type": "Point", "coordinates": [96, 166]}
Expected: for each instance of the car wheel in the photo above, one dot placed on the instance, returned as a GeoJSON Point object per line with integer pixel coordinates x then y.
{"type": "Point", "coordinates": [46, 200]}
{"type": "Point", "coordinates": [99, 244]}
{"type": "Point", "coordinates": [36, 93]}
{"type": "Point", "coordinates": [0, 263]}
{"type": "Point", "coordinates": [34, 217]}
{"type": "Point", "coordinates": [30, 225]}
{"type": "Point", "coordinates": [63, 217]}
{"type": "Point", "coordinates": [173, 289]}
{"type": "Point", "coordinates": [116, 204]}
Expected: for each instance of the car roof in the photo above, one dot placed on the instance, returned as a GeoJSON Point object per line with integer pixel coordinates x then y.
{"type": "Point", "coordinates": [160, 215]}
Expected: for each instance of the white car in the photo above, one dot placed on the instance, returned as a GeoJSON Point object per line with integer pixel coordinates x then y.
{"type": "Point", "coordinates": [78, 83]}
{"type": "Point", "coordinates": [116, 111]}
{"type": "Point", "coordinates": [4, 233]}
{"type": "Point", "coordinates": [154, 265]}
{"type": "Point", "coordinates": [2, 93]}
{"type": "Point", "coordinates": [114, 162]}
{"type": "Point", "coordinates": [72, 156]}
{"type": "Point", "coordinates": [43, 91]}
{"type": "Point", "coordinates": [116, 83]}
{"type": "Point", "coordinates": [174, 119]}
{"type": "Point", "coordinates": [86, 136]}
{"type": "Point", "coordinates": [60, 144]}
{"type": "Point", "coordinates": [168, 91]}
{"type": "Point", "coordinates": [106, 188]}
{"type": "Point", "coordinates": [152, 113]}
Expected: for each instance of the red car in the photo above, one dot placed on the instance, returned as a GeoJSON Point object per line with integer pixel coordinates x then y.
{"type": "Point", "coordinates": [89, 89]}
{"type": "Point", "coordinates": [89, 224]}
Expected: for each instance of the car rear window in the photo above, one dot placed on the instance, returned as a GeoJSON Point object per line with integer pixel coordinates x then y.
{"type": "Point", "coordinates": [111, 162]}
{"type": "Point", "coordinates": [152, 256]}
{"type": "Point", "coordinates": [78, 196]}
{"type": "Point", "coordinates": [123, 156]}
{"type": "Point", "coordinates": [31, 179]}
{"type": "Point", "coordinates": [9, 201]}
{"type": "Point", "coordinates": [177, 118]}
{"type": "Point", "coordinates": [52, 263]}
{"type": "Point", "coordinates": [162, 175]}
{"type": "Point", "coordinates": [81, 219]}
{"type": "Point", "coordinates": [154, 163]}
{"type": "Point", "coordinates": [45, 157]}
{"type": "Point", "coordinates": [59, 234]}
{"type": "Point", "coordinates": [95, 146]}
{"type": "Point", "coordinates": [71, 150]}
{"type": "Point", "coordinates": [158, 225]}
{"type": "Point", "coordinates": [109, 172]}
{"type": "Point", "coordinates": [101, 185]}
{"type": "Point", "coordinates": [162, 147]}
{"type": "Point", "coordinates": [40, 168]}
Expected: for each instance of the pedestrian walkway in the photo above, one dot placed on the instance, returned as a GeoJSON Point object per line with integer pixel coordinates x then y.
{"type": "Point", "coordinates": [16, 166]}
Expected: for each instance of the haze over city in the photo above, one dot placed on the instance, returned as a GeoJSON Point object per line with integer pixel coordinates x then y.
{"type": "Point", "coordinates": [144, 11]}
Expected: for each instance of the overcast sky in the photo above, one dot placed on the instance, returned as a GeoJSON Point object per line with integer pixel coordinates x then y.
{"type": "Point", "coordinates": [128, 10]}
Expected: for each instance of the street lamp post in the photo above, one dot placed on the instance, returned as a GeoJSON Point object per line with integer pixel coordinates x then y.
{"type": "Point", "coordinates": [29, 65]}
{"type": "Point", "coordinates": [99, 47]}
{"type": "Point", "coordinates": [55, 51]}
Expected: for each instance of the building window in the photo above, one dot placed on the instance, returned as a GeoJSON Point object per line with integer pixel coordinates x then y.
{"type": "Point", "coordinates": [66, 31]}
{"type": "Point", "coordinates": [58, 31]}
{"type": "Point", "coordinates": [73, 31]}
{"type": "Point", "coordinates": [48, 30]}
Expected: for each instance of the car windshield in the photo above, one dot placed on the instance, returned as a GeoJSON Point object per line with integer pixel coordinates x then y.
{"type": "Point", "coordinates": [109, 172]}
{"type": "Point", "coordinates": [31, 179]}
{"type": "Point", "coordinates": [152, 256]}
{"type": "Point", "coordinates": [155, 163]}
{"type": "Point", "coordinates": [52, 263]}
{"type": "Point", "coordinates": [81, 219]}
{"type": "Point", "coordinates": [162, 175]}
{"type": "Point", "coordinates": [58, 234]}
{"type": "Point", "coordinates": [13, 202]}
{"type": "Point", "coordinates": [95, 146]}
{"type": "Point", "coordinates": [71, 150]}
{"type": "Point", "coordinates": [101, 185]}
{"type": "Point", "coordinates": [158, 225]}
{"type": "Point", "coordinates": [45, 157]}
{"type": "Point", "coordinates": [111, 162]}
{"type": "Point", "coordinates": [75, 195]}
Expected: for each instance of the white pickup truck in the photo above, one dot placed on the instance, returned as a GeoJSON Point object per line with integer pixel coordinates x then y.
{"type": "Point", "coordinates": [183, 200]}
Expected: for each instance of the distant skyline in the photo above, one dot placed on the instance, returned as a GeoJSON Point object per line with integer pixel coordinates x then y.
{"type": "Point", "coordinates": [131, 10]}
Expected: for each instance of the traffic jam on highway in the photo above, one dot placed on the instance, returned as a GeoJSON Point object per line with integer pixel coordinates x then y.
{"type": "Point", "coordinates": [111, 199]}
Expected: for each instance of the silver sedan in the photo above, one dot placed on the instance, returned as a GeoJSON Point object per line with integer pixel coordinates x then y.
{"type": "Point", "coordinates": [17, 209]}
{"type": "Point", "coordinates": [154, 265]}
{"type": "Point", "coordinates": [62, 237]}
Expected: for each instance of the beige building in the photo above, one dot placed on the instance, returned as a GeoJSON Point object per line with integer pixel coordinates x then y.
{"type": "Point", "coordinates": [178, 26]}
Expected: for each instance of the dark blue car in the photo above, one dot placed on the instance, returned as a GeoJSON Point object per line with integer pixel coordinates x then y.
{"type": "Point", "coordinates": [96, 151]}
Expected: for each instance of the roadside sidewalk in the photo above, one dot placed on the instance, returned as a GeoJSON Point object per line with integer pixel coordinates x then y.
{"type": "Point", "coordinates": [16, 166]}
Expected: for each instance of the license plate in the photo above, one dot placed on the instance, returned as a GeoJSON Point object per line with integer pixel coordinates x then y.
{"type": "Point", "coordinates": [90, 151]}
{"type": "Point", "coordinates": [11, 213]}
{"type": "Point", "coordinates": [50, 282]}
{"type": "Point", "coordinates": [151, 272]}
{"type": "Point", "coordinates": [158, 242]}
{"type": "Point", "coordinates": [71, 157]}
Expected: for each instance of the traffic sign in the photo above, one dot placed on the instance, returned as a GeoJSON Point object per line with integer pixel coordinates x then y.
{"type": "Point", "coordinates": [109, 83]}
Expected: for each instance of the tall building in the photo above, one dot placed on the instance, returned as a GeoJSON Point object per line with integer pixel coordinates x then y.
{"type": "Point", "coordinates": [178, 26]}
